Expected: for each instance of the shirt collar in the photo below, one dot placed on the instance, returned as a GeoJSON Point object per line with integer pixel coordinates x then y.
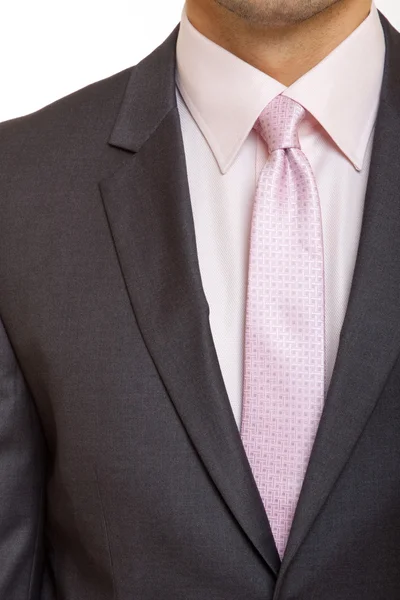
{"type": "Point", "coordinates": [225, 95]}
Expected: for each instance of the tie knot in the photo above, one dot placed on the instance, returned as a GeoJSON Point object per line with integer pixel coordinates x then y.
{"type": "Point", "coordinates": [278, 123]}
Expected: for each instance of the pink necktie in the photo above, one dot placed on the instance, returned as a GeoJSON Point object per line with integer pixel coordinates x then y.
{"type": "Point", "coordinates": [283, 389]}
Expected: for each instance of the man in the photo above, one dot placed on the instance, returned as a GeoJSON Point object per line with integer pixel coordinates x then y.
{"type": "Point", "coordinates": [200, 307]}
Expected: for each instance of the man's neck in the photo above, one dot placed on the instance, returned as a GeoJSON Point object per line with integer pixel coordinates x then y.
{"type": "Point", "coordinates": [284, 53]}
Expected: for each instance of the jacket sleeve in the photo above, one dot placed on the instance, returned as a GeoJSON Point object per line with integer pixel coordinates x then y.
{"type": "Point", "coordinates": [22, 478]}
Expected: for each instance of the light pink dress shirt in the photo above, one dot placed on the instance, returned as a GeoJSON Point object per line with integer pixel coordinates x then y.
{"type": "Point", "coordinates": [219, 99]}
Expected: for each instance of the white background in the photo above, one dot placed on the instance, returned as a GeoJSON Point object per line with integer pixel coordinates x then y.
{"type": "Point", "coordinates": [49, 48]}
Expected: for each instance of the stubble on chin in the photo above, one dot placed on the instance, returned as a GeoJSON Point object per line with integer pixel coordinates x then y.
{"type": "Point", "coordinates": [275, 13]}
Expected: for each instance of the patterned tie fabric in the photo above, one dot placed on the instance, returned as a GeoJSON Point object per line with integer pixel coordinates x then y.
{"type": "Point", "coordinates": [283, 389]}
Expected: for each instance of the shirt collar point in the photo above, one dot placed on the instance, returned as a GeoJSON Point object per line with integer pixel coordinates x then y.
{"type": "Point", "coordinates": [224, 161]}
{"type": "Point", "coordinates": [357, 160]}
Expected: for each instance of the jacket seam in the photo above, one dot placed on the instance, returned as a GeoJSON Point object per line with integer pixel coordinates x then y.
{"type": "Point", "coordinates": [36, 544]}
{"type": "Point", "coordinates": [105, 527]}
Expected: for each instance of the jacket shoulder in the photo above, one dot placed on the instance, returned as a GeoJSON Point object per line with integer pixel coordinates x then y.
{"type": "Point", "coordinates": [83, 119]}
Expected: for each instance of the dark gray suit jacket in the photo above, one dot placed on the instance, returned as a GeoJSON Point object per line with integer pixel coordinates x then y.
{"type": "Point", "coordinates": [122, 473]}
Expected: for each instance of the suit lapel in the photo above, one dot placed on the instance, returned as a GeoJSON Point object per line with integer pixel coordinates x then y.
{"type": "Point", "coordinates": [149, 211]}
{"type": "Point", "coordinates": [370, 337]}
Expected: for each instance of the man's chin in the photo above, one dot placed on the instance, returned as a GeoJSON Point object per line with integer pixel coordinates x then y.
{"type": "Point", "coordinates": [275, 13]}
